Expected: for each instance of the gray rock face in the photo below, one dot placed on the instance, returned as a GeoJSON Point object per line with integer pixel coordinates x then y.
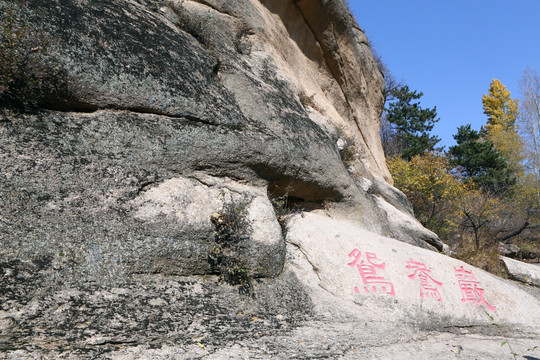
{"type": "Point", "coordinates": [169, 314]}
{"type": "Point", "coordinates": [311, 310]}
{"type": "Point", "coordinates": [521, 271]}
{"type": "Point", "coordinates": [193, 90]}
{"type": "Point", "coordinates": [182, 132]}
{"type": "Point", "coordinates": [509, 250]}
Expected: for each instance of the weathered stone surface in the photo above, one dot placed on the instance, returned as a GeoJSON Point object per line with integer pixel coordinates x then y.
{"type": "Point", "coordinates": [309, 311]}
{"type": "Point", "coordinates": [186, 207]}
{"type": "Point", "coordinates": [509, 249]}
{"type": "Point", "coordinates": [173, 111]}
{"type": "Point", "coordinates": [521, 271]}
{"type": "Point", "coordinates": [39, 319]}
{"type": "Point", "coordinates": [328, 245]}
{"type": "Point", "coordinates": [219, 102]}
{"type": "Point", "coordinates": [334, 260]}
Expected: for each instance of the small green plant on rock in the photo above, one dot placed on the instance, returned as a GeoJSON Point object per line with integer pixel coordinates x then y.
{"type": "Point", "coordinates": [505, 342]}
{"type": "Point", "coordinates": [283, 207]}
{"type": "Point", "coordinates": [231, 229]}
{"type": "Point", "coordinates": [306, 100]}
{"type": "Point", "coordinates": [347, 149]}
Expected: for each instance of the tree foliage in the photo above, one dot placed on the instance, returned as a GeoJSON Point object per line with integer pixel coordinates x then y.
{"type": "Point", "coordinates": [499, 107]}
{"type": "Point", "coordinates": [411, 125]}
{"type": "Point", "coordinates": [462, 214]}
{"type": "Point", "coordinates": [476, 196]}
{"type": "Point", "coordinates": [452, 208]}
{"type": "Point", "coordinates": [476, 213]}
{"type": "Point", "coordinates": [478, 160]}
{"type": "Point", "coordinates": [430, 187]}
{"type": "Point", "coordinates": [501, 126]}
{"type": "Point", "coordinates": [529, 120]}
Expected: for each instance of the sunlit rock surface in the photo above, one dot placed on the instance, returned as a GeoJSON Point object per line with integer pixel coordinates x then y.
{"type": "Point", "coordinates": [173, 113]}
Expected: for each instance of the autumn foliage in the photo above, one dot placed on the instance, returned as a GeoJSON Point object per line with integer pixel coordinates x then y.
{"type": "Point", "coordinates": [429, 186]}
{"type": "Point", "coordinates": [478, 196]}
{"type": "Point", "coordinates": [501, 127]}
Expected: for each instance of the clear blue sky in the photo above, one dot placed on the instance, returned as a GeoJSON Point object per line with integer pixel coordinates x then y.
{"type": "Point", "coordinates": [451, 50]}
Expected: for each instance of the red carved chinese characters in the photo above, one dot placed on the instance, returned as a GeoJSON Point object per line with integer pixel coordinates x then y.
{"type": "Point", "coordinates": [469, 288]}
{"type": "Point", "coordinates": [368, 273]}
{"type": "Point", "coordinates": [427, 283]}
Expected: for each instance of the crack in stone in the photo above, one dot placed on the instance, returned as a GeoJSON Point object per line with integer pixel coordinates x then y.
{"type": "Point", "coordinates": [338, 76]}
{"type": "Point", "coordinates": [207, 4]}
{"type": "Point", "coordinates": [315, 268]}
{"type": "Point", "coordinates": [92, 108]}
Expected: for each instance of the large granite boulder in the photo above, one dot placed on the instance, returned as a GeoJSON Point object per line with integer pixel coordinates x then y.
{"type": "Point", "coordinates": [144, 202]}
{"type": "Point", "coordinates": [344, 293]}
{"type": "Point", "coordinates": [158, 95]}
{"type": "Point", "coordinates": [522, 271]}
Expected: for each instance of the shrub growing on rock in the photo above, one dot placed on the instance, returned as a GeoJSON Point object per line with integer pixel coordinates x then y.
{"type": "Point", "coordinates": [284, 206]}
{"type": "Point", "coordinates": [347, 149]}
{"type": "Point", "coordinates": [306, 100]}
{"type": "Point", "coordinates": [231, 229]}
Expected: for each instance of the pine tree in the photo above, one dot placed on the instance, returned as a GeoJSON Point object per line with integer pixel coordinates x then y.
{"type": "Point", "coordinates": [411, 123]}
{"type": "Point", "coordinates": [478, 160]}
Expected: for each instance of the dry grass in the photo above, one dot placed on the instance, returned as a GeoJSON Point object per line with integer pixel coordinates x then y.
{"type": "Point", "coordinates": [486, 258]}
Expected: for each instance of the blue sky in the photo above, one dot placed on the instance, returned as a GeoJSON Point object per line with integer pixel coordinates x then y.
{"type": "Point", "coordinates": [451, 50]}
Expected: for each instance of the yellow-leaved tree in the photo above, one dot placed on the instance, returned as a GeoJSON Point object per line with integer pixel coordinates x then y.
{"type": "Point", "coordinates": [433, 191]}
{"type": "Point", "coordinates": [501, 127]}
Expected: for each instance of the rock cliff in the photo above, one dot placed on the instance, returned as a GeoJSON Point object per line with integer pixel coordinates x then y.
{"type": "Point", "coordinates": [183, 193]}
